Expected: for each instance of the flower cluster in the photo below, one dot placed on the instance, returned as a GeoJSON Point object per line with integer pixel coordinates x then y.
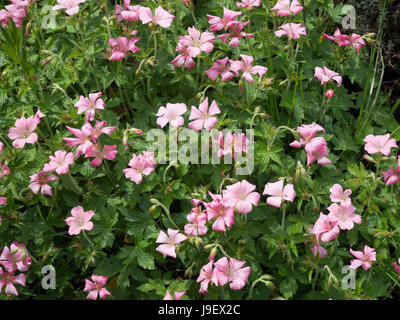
{"type": "Point", "coordinates": [343, 40]}
{"type": "Point", "coordinates": [16, 11]}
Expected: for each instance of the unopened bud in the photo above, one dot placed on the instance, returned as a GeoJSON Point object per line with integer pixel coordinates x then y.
{"type": "Point", "coordinates": [152, 208]}
{"type": "Point", "coordinates": [329, 94]}
{"type": "Point", "coordinates": [369, 158]}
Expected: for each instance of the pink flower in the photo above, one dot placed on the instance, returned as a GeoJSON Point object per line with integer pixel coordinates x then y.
{"type": "Point", "coordinates": [197, 225]}
{"type": "Point", "coordinates": [344, 215]}
{"type": "Point", "coordinates": [317, 250]}
{"type": "Point", "coordinates": [317, 150]}
{"type": "Point", "coordinates": [96, 287]}
{"type": "Point", "coordinates": [240, 195]}
{"type": "Point", "coordinates": [337, 194]}
{"type": "Point", "coordinates": [363, 258]}
{"type": "Point", "coordinates": [278, 193]}
{"type": "Point", "coordinates": [169, 242]}
{"type": "Point", "coordinates": [71, 6]}
{"type": "Point", "coordinates": [177, 295]}
{"type": "Point", "coordinates": [203, 116]}
{"type": "Point", "coordinates": [329, 94]}
{"type": "Point", "coordinates": [23, 132]}
{"type": "Point", "coordinates": [232, 144]}
{"type": "Point", "coordinates": [161, 17]}
{"type": "Point", "coordinates": [15, 258]}
{"type": "Point", "coordinates": [1, 147]}
{"type": "Point", "coordinates": [392, 176]}
{"type": "Point", "coordinates": [396, 268]}
{"type": "Point", "coordinates": [82, 140]}
{"type": "Point", "coordinates": [4, 170]}
{"type": "Point", "coordinates": [95, 151]}
{"type": "Point", "coordinates": [16, 12]}
{"type": "Point", "coordinates": [326, 228]}
{"type": "Point", "coordinates": [287, 7]}
{"type": "Point", "coordinates": [139, 165]}
{"type": "Point", "coordinates": [89, 105]}
{"type": "Point", "coordinates": [4, 18]}
{"type": "Point", "coordinates": [40, 181]}
{"type": "Point", "coordinates": [235, 33]}
{"type": "Point", "coordinates": [231, 271]}
{"type": "Point", "coordinates": [121, 46]}
{"type": "Point", "coordinates": [60, 162]}
{"type": "Point", "coordinates": [292, 30]}
{"type": "Point", "coordinates": [129, 13]}
{"type": "Point", "coordinates": [184, 58]}
{"type": "Point", "coordinates": [379, 144]}
{"type": "Point", "coordinates": [249, 4]}
{"type": "Point", "coordinates": [226, 22]}
{"type": "Point", "coordinates": [220, 67]}
{"type": "Point", "coordinates": [219, 209]}
{"type": "Point", "coordinates": [197, 42]}
{"type": "Point", "coordinates": [357, 42]}
{"type": "Point", "coordinates": [171, 114]}
{"type": "Point", "coordinates": [307, 132]}
{"type": "Point", "coordinates": [341, 39]}
{"type": "Point", "coordinates": [206, 276]}
{"type": "Point", "coordinates": [79, 220]}
{"type": "Point", "coordinates": [8, 279]}
{"type": "Point", "coordinates": [3, 201]}
{"type": "Point", "coordinates": [324, 75]}
{"type": "Point", "coordinates": [246, 66]}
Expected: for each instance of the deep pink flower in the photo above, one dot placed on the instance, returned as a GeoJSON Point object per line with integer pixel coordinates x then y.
{"type": "Point", "coordinates": [287, 7]}
{"type": "Point", "coordinates": [317, 250]}
{"type": "Point", "coordinates": [329, 94]}
{"type": "Point", "coordinates": [1, 147]}
{"type": "Point", "coordinates": [241, 196]}
{"type": "Point", "coordinates": [60, 162]}
{"type": "Point", "coordinates": [71, 6]}
{"type": "Point", "coordinates": [279, 193]}
{"type": "Point", "coordinates": [96, 287]}
{"type": "Point", "coordinates": [249, 4]}
{"type": "Point", "coordinates": [235, 33]}
{"type": "Point", "coordinates": [3, 201]}
{"type": "Point", "coordinates": [23, 132]}
{"type": "Point", "coordinates": [15, 258]}
{"type": "Point", "coordinates": [363, 259]}
{"type": "Point", "coordinates": [89, 105]}
{"type": "Point", "coordinates": [324, 75]}
{"type": "Point", "coordinates": [231, 271]}
{"type": "Point", "coordinates": [161, 17]}
{"type": "Point", "coordinates": [40, 181]}
{"type": "Point", "coordinates": [197, 42]}
{"type": "Point", "coordinates": [307, 132]}
{"type": "Point", "coordinates": [8, 279]}
{"type": "Point", "coordinates": [139, 165]}
{"type": "Point", "coordinates": [184, 58]}
{"type": "Point", "coordinates": [79, 220]}
{"type": "Point", "coordinates": [95, 151]}
{"type": "Point", "coordinates": [344, 215]}
{"type": "Point", "coordinates": [357, 42]}
{"type": "Point", "coordinates": [219, 210]}
{"type": "Point", "coordinates": [325, 228]}
{"type": "Point", "coordinates": [169, 242]}
{"type": "Point", "coordinates": [4, 170]}
{"type": "Point", "coordinates": [226, 22]}
{"type": "Point", "coordinates": [317, 150]}
{"type": "Point", "coordinates": [121, 46]}
{"type": "Point", "coordinates": [338, 195]}
{"type": "Point", "coordinates": [206, 276]}
{"type": "Point", "coordinates": [246, 66]}
{"type": "Point", "coordinates": [220, 67]}
{"type": "Point", "coordinates": [341, 39]}
{"type": "Point", "coordinates": [396, 267]}
{"type": "Point", "coordinates": [172, 114]}
{"type": "Point", "coordinates": [177, 295]}
{"type": "Point", "coordinates": [16, 12]}
{"type": "Point", "coordinates": [203, 116]}
{"type": "Point", "coordinates": [379, 144]}
{"type": "Point", "coordinates": [291, 30]}
{"type": "Point", "coordinates": [392, 176]}
{"type": "Point", "coordinates": [82, 139]}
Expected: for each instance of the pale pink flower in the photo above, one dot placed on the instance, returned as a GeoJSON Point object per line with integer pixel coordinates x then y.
{"type": "Point", "coordinates": [197, 225]}
{"type": "Point", "coordinates": [291, 30]}
{"type": "Point", "coordinates": [317, 150]}
{"type": "Point", "coordinates": [169, 242]}
{"type": "Point", "coordinates": [197, 212]}
{"type": "Point", "coordinates": [4, 170]}
{"type": "Point", "coordinates": [15, 257]}
{"type": "Point", "coordinates": [287, 7]}
{"type": "Point", "coordinates": [338, 195]}
{"type": "Point", "coordinates": [246, 66]}
{"type": "Point", "coordinates": [219, 210]}
{"type": "Point", "coordinates": [23, 132]}
{"type": "Point", "coordinates": [344, 215]}
{"type": "Point", "coordinates": [206, 276]}
{"type": "Point", "coordinates": [231, 271]}
{"type": "Point", "coordinates": [307, 132]}
{"type": "Point", "coordinates": [8, 279]}
{"type": "Point", "coordinates": [71, 6]}
{"type": "Point", "coordinates": [235, 34]}
{"type": "Point", "coordinates": [99, 129]}
{"type": "Point", "coordinates": [39, 114]}
{"type": "Point", "coordinates": [79, 220]}
{"type": "Point", "coordinates": [98, 153]}
{"type": "Point", "coordinates": [121, 47]}
{"type": "Point", "coordinates": [249, 4]}
{"type": "Point", "coordinates": [161, 17]}
{"type": "Point", "coordinates": [17, 13]}
{"type": "Point", "coordinates": [203, 116]}
{"type": "Point", "coordinates": [4, 18]}
{"type": "Point", "coordinates": [129, 13]}
{"type": "Point", "coordinates": [184, 58]}
{"type": "Point", "coordinates": [197, 42]}
{"type": "Point", "coordinates": [363, 259]}
{"type": "Point", "coordinates": [233, 144]}
{"type": "Point", "coordinates": [60, 162]}
{"type": "Point", "coordinates": [220, 67]}
{"type": "Point", "coordinates": [82, 139]}
{"type": "Point", "coordinates": [139, 165]}
{"type": "Point", "coordinates": [172, 114]}
{"type": "Point", "coordinates": [241, 196]}
{"type": "Point", "coordinates": [379, 144]}
{"type": "Point", "coordinates": [226, 22]}
{"type": "Point", "coordinates": [279, 193]}
{"type": "Point", "coordinates": [40, 181]}
{"type": "Point", "coordinates": [326, 228]}
{"type": "Point", "coordinates": [317, 250]}
{"type": "Point", "coordinates": [90, 105]}
{"type": "Point", "coordinates": [177, 295]}
{"type": "Point", "coordinates": [96, 287]}
{"type": "Point", "coordinates": [324, 75]}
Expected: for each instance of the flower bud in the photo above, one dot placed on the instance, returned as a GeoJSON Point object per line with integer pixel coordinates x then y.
{"type": "Point", "coordinates": [329, 94]}
{"type": "Point", "coordinates": [369, 158]}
